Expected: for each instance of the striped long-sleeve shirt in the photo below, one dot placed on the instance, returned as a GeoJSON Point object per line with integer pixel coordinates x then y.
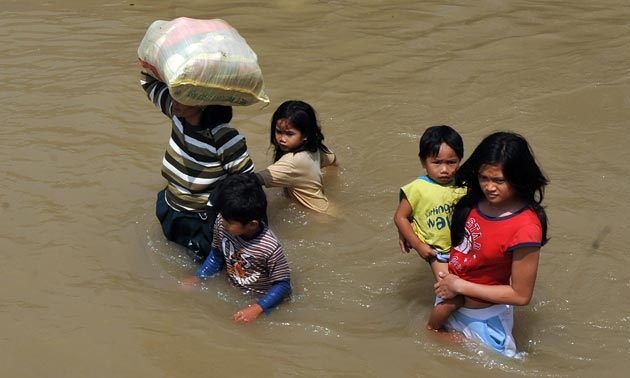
{"type": "Point", "coordinates": [196, 158]}
{"type": "Point", "coordinates": [253, 265]}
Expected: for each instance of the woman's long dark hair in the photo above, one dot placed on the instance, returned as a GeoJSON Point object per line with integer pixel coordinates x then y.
{"type": "Point", "coordinates": [512, 153]}
{"type": "Point", "coordinates": [303, 118]}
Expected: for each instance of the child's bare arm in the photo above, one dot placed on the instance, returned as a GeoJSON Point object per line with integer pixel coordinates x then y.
{"type": "Point", "coordinates": [407, 237]}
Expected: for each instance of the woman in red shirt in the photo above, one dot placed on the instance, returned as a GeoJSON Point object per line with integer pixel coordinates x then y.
{"type": "Point", "coordinates": [498, 229]}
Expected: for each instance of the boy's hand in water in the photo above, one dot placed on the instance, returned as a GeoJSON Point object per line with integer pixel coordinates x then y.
{"type": "Point", "coordinates": [189, 283]}
{"type": "Point", "coordinates": [247, 314]}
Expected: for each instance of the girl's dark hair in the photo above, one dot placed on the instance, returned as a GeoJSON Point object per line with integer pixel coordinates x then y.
{"type": "Point", "coordinates": [512, 153]}
{"type": "Point", "coordinates": [241, 198]}
{"type": "Point", "coordinates": [303, 118]}
{"type": "Point", "coordinates": [433, 138]}
{"type": "Point", "coordinates": [214, 115]}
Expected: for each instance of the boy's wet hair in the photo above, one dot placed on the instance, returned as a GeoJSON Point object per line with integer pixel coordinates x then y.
{"type": "Point", "coordinates": [241, 198]}
{"type": "Point", "coordinates": [433, 138]}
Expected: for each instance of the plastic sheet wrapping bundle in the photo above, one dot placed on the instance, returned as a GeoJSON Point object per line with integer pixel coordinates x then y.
{"type": "Point", "coordinates": [203, 62]}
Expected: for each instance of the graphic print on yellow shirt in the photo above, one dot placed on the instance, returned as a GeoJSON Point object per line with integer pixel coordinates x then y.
{"type": "Point", "coordinates": [432, 206]}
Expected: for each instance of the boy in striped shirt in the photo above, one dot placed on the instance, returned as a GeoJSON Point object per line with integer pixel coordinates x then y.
{"type": "Point", "coordinates": [255, 259]}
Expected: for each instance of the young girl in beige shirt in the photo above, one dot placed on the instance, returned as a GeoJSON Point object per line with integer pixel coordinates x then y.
{"type": "Point", "coordinates": [299, 155]}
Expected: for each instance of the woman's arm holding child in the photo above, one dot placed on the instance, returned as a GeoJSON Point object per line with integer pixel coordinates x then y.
{"type": "Point", "coordinates": [518, 293]}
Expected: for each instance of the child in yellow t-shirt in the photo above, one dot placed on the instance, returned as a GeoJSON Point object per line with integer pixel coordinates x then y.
{"type": "Point", "coordinates": [423, 216]}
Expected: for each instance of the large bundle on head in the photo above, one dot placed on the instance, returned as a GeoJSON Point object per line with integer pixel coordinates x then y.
{"type": "Point", "coordinates": [203, 62]}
